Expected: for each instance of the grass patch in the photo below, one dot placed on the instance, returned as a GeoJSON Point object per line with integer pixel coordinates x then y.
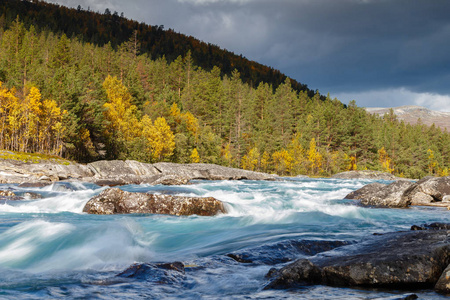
{"type": "Point", "coordinates": [33, 157]}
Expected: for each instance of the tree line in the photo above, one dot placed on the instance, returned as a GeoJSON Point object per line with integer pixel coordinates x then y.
{"type": "Point", "coordinates": [88, 102]}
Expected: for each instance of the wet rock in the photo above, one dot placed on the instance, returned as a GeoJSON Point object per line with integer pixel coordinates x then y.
{"type": "Point", "coordinates": [116, 201]}
{"type": "Point", "coordinates": [381, 195]}
{"type": "Point", "coordinates": [301, 272]}
{"type": "Point", "coordinates": [284, 251]}
{"type": "Point", "coordinates": [432, 226]}
{"type": "Point", "coordinates": [6, 196]}
{"type": "Point", "coordinates": [158, 273]}
{"type": "Point", "coordinates": [34, 184]}
{"type": "Point", "coordinates": [409, 260]}
{"type": "Point", "coordinates": [30, 195]}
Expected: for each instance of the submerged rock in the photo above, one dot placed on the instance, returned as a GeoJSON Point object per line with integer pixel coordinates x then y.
{"type": "Point", "coordinates": [284, 251]}
{"type": "Point", "coordinates": [116, 201]}
{"type": "Point", "coordinates": [410, 260]}
{"type": "Point", "coordinates": [7, 195]}
{"type": "Point", "coordinates": [158, 273]}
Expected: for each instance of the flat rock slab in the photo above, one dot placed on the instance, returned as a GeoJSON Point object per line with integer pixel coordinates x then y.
{"type": "Point", "coordinates": [210, 172]}
{"type": "Point", "coordinates": [118, 172]}
{"type": "Point", "coordinates": [410, 260]}
{"type": "Point", "coordinates": [116, 201]}
{"type": "Point", "coordinates": [365, 175]}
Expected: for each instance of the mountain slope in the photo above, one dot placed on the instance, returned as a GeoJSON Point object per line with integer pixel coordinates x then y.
{"type": "Point", "coordinates": [412, 113]}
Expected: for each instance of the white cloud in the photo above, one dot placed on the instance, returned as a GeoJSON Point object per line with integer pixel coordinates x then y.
{"type": "Point", "coordinates": [396, 97]}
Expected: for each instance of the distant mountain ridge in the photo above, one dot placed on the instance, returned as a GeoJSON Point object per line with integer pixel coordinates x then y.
{"type": "Point", "coordinates": [412, 113]}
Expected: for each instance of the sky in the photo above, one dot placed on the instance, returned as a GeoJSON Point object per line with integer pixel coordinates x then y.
{"type": "Point", "coordinates": [381, 53]}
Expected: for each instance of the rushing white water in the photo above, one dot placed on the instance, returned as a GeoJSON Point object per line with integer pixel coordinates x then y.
{"type": "Point", "coordinates": [50, 249]}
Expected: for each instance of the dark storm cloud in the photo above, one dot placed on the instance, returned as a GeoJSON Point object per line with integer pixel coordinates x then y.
{"type": "Point", "coordinates": [338, 46]}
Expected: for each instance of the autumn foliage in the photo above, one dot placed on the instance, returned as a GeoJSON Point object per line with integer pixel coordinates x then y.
{"type": "Point", "coordinates": [30, 124]}
{"type": "Point", "coordinates": [87, 101]}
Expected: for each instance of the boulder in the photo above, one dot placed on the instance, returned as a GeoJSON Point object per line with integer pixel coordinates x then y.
{"type": "Point", "coordinates": [116, 201]}
{"type": "Point", "coordinates": [382, 195]}
{"type": "Point", "coordinates": [429, 191]}
{"type": "Point", "coordinates": [400, 260]}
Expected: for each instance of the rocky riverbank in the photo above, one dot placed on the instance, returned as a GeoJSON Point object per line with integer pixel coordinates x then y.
{"type": "Point", "coordinates": [366, 174]}
{"type": "Point", "coordinates": [416, 259]}
{"type": "Point", "coordinates": [117, 172]}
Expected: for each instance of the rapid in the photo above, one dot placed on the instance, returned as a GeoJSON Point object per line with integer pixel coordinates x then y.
{"type": "Point", "coordinates": [50, 249]}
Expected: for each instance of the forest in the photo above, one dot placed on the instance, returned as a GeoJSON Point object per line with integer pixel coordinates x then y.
{"type": "Point", "coordinates": [114, 29]}
{"type": "Point", "coordinates": [90, 100]}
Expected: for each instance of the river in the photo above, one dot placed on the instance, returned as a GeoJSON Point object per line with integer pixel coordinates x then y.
{"type": "Point", "coordinates": [49, 249]}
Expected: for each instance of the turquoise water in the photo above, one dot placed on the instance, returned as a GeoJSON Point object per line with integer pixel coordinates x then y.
{"type": "Point", "coordinates": [49, 249]}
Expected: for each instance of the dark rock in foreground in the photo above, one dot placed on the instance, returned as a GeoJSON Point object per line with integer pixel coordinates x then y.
{"type": "Point", "coordinates": [400, 260]}
{"type": "Point", "coordinates": [432, 226]}
{"type": "Point", "coordinates": [116, 201]}
{"type": "Point", "coordinates": [429, 191]}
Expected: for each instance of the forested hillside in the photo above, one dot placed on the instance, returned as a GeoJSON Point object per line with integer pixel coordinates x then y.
{"type": "Point", "coordinates": [110, 28]}
{"type": "Point", "coordinates": [85, 101]}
